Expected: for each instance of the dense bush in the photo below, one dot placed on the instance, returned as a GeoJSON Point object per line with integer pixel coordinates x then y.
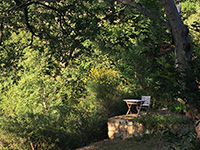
{"type": "Point", "coordinates": [43, 108]}
{"type": "Point", "coordinates": [177, 131]}
{"type": "Point", "coordinates": [106, 87]}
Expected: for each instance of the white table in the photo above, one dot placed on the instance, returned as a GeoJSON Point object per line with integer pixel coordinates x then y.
{"type": "Point", "coordinates": [136, 102]}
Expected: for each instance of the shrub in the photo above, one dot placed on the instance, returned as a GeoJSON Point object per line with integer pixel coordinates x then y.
{"type": "Point", "coordinates": [104, 85]}
{"type": "Point", "coordinates": [176, 130]}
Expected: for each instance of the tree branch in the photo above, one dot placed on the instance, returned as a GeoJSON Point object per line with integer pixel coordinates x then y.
{"type": "Point", "coordinates": [27, 22]}
{"type": "Point", "coordinates": [50, 7]}
{"type": "Point", "coordinates": [144, 11]}
{"type": "Point", "coordinates": [28, 3]}
{"type": "Point", "coordinates": [1, 31]}
{"type": "Point", "coordinates": [24, 5]}
{"type": "Point", "coordinates": [18, 5]}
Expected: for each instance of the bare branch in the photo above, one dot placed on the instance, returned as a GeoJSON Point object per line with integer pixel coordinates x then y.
{"type": "Point", "coordinates": [27, 22]}
{"type": "Point", "coordinates": [1, 31]}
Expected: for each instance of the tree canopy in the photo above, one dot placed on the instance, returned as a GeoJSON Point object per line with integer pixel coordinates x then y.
{"type": "Point", "coordinates": [66, 65]}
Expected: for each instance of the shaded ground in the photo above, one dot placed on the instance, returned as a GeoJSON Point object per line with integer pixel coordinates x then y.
{"type": "Point", "coordinates": [148, 142]}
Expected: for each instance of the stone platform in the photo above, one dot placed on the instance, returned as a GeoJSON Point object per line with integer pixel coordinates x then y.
{"type": "Point", "coordinates": [125, 127]}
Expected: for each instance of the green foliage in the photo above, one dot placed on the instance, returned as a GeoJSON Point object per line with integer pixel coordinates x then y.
{"type": "Point", "coordinates": [104, 84]}
{"type": "Point", "coordinates": [183, 139]}
{"type": "Point", "coordinates": [176, 130]}
{"type": "Point", "coordinates": [47, 54]}
{"type": "Point", "coordinates": [32, 108]}
{"type": "Point", "coordinates": [166, 74]}
{"type": "Point", "coordinates": [177, 107]}
{"type": "Point", "coordinates": [189, 8]}
{"type": "Point", "coordinates": [44, 110]}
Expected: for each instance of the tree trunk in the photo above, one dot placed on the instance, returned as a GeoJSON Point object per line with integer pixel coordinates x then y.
{"type": "Point", "coordinates": [182, 51]}
{"type": "Point", "coordinates": [182, 46]}
{"type": "Point", "coordinates": [183, 63]}
{"type": "Point", "coordinates": [180, 34]}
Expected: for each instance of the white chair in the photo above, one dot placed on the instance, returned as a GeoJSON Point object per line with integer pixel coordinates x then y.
{"type": "Point", "coordinates": [146, 103]}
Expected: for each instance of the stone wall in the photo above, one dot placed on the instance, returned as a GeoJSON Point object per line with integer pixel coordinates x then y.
{"type": "Point", "coordinates": [124, 127]}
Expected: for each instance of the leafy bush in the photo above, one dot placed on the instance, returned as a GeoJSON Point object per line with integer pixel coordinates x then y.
{"type": "Point", "coordinates": [104, 84]}
{"type": "Point", "coordinates": [43, 109]}
{"type": "Point", "coordinates": [176, 130]}
{"type": "Point", "coordinates": [177, 107]}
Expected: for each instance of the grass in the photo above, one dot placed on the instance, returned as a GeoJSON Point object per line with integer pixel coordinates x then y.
{"type": "Point", "coordinates": [148, 142]}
